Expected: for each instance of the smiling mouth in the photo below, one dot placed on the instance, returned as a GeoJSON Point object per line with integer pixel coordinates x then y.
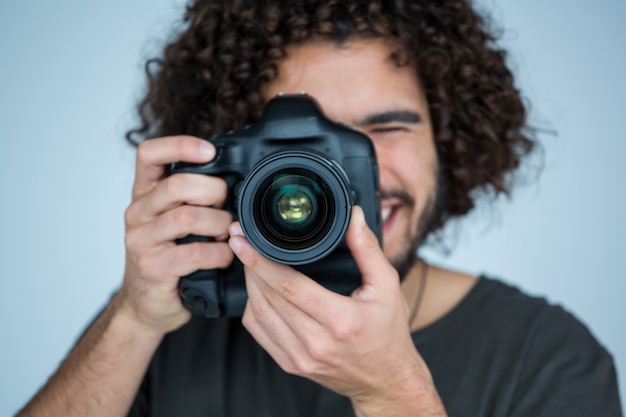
{"type": "Point", "coordinates": [385, 213]}
{"type": "Point", "coordinates": [391, 203]}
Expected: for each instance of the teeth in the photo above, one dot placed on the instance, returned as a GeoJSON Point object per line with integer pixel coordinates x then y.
{"type": "Point", "coordinates": [385, 213]}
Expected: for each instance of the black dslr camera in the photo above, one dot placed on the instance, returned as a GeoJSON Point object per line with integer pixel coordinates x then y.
{"type": "Point", "coordinates": [292, 179]}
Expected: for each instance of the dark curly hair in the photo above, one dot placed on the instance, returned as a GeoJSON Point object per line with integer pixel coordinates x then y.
{"type": "Point", "coordinates": [210, 77]}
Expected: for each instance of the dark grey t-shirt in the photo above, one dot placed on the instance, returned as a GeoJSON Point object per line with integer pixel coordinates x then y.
{"type": "Point", "coordinates": [498, 353]}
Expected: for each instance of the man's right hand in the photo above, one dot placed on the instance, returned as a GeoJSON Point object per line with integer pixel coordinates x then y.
{"type": "Point", "coordinates": [102, 373]}
{"type": "Point", "coordinates": [163, 209]}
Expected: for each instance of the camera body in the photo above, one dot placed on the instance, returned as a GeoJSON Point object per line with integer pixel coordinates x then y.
{"type": "Point", "coordinates": [292, 180]}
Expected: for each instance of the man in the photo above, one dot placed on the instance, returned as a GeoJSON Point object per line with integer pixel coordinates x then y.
{"type": "Point", "coordinates": [425, 81]}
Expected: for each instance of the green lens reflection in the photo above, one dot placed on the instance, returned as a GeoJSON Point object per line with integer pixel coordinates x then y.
{"type": "Point", "coordinates": [294, 206]}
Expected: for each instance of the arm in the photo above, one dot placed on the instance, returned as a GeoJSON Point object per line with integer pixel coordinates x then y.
{"type": "Point", "coordinates": [358, 346]}
{"type": "Point", "coordinates": [102, 374]}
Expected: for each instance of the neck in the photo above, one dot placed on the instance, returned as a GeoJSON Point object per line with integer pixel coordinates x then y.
{"type": "Point", "coordinates": [431, 292]}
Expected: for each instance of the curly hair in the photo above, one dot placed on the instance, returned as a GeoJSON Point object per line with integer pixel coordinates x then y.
{"type": "Point", "coordinates": [210, 77]}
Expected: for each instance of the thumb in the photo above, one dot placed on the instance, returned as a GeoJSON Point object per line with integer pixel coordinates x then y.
{"type": "Point", "coordinates": [377, 273]}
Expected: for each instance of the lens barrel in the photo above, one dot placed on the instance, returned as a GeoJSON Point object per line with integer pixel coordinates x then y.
{"type": "Point", "coordinates": [294, 206]}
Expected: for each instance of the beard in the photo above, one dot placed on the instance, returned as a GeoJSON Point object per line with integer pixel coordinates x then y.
{"type": "Point", "coordinates": [404, 261]}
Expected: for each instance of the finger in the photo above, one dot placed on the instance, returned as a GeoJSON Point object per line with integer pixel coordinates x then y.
{"type": "Point", "coordinates": [269, 329]}
{"type": "Point", "coordinates": [376, 271]}
{"type": "Point", "coordinates": [178, 223]}
{"type": "Point", "coordinates": [155, 155]}
{"type": "Point", "coordinates": [298, 342]}
{"type": "Point", "coordinates": [298, 289]}
{"type": "Point", "coordinates": [301, 323]}
{"type": "Point", "coordinates": [193, 189]}
{"type": "Point", "coordinates": [279, 356]}
{"type": "Point", "coordinates": [179, 260]}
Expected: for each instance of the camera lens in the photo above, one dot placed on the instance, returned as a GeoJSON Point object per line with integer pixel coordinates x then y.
{"type": "Point", "coordinates": [294, 206]}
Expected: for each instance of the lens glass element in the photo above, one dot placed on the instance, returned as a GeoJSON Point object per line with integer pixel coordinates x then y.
{"type": "Point", "coordinates": [294, 204]}
{"type": "Point", "coordinates": [294, 208]}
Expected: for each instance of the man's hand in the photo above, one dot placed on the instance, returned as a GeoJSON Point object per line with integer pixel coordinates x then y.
{"type": "Point", "coordinates": [164, 209]}
{"type": "Point", "coordinates": [102, 373]}
{"type": "Point", "coordinates": [359, 346]}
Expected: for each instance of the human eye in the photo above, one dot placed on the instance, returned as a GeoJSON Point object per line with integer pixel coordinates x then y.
{"type": "Point", "coordinates": [388, 129]}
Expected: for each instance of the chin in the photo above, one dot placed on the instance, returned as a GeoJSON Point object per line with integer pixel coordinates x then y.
{"type": "Point", "coordinates": [403, 264]}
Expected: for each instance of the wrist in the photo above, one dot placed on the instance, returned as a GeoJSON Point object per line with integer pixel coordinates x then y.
{"type": "Point", "coordinates": [413, 393]}
{"type": "Point", "coordinates": [125, 321]}
{"type": "Point", "coordinates": [151, 316]}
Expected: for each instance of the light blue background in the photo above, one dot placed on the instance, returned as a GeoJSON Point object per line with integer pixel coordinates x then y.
{"type": "Point", "coordinates": [71, 71]}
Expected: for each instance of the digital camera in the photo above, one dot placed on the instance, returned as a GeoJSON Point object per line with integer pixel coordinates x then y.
{"type": "Point", "coordinates": [292, 179]}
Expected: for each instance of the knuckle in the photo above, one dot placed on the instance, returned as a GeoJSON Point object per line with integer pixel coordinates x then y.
{"type": "Point", "coordinates": [287, 287]}
{"type": "Point", "coordinates": [220, 187]}
{"type": "Point", "coordinates": [258, 311]}
{"type": "Point", "coordinates": [181, 143]}
{"type": "Point", "coordinates": [225, 219]}
{"type": "Point", "coordinates": [144, 265]}
{"type": "Point", "coordinates": [228, 257]}
{"type": "Point", "coordinates": [134, 239]}
{"type": "Point", "coordinates": [319, 352]}
{"type": "Point", "coordinates": [344, 330]}
{"type": "Point", "coordinates": [131, 239]}
{"type": "Point", "coordinates": [203, 255]}
{"type": "Point", "coordinates": [130, 216]}
{"type": "Point", "coordinates": [183, 215]}
{"type": "Point", "coordinates": [370, 242]}
{"type": "Point", "coordinates": [290, 368]}
{"type": "Point", "coordinates": [143, 150]}
{"type": "Point", "coordinates": [190, 253]}
{"type": "Point", "coordinates": [305, 365]}
{"type": "Point", "coordinates": [248, 320]}
{"type": "Point", "coordinates": [248, 258]}
{"type": "Point", "coordinates": [393, 273]}
{"type": "Point", "coordinates": [221, 255]}
{"type": "Point", "coordinates": [173, 184]}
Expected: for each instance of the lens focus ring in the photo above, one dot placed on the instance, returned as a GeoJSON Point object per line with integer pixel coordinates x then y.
{"type": "Point", "coordinates": [295, 206]}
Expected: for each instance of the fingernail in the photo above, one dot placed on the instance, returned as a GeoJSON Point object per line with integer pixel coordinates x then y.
{"type": "Point", "coordinates": [359, 217]}
{"type": "Point", "coordinates": [235, 245]}
{"type": "Point", "coordinates": [207, 149]}
{"type": "Point", "coordinates": [235, 229]}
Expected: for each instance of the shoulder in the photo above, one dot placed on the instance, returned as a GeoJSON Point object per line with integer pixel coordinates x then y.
{"type": "Point", "coordinates": [546, 331]}
{"type": "Point", "coordinates": [539, 358]}
{"type": "Point", "coordinates": [534, 317]}
{"type": "Point", "coordinates": [564, 366]}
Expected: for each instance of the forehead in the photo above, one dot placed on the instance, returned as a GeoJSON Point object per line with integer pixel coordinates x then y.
{"type": "Point", "coordinates": [350, 80]}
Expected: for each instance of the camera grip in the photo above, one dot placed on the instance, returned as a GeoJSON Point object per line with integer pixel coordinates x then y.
{"type": "Point", "coordinates": [203, 292]}
{"type": "Point", "coordinates": [218, 293]}
{"type": "Point", "coordinates": [199, 291]}
{"type": "Point", "coordinates": [213, 293]}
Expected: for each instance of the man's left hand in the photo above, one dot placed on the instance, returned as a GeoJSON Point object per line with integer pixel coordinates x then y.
{"type": "Point", "coordinates": [359, 346]}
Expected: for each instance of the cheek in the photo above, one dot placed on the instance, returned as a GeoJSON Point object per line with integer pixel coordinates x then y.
{"type": "Point", "coordinates": [413, 168]}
